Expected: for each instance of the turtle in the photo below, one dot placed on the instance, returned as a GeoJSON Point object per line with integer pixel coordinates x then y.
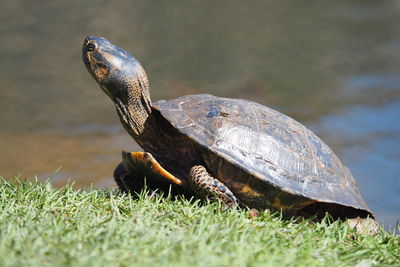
{"type": "Point", "coordinates": [233, 150]}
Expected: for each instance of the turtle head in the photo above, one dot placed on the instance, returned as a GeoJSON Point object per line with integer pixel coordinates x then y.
{"type": "Point", "coordinates": [121, 77]}
{"type": "Point", "coordinates": [118, 73]}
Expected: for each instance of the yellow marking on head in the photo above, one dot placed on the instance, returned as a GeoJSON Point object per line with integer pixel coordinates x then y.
{"type": "Point", "coordinates": [97, 68]}
{"type": "Point", "coordinates": [101, 71]}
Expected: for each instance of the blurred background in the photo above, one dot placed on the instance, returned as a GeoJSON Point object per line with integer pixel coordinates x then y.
{"type": "Point", "coordinates": [332, 65]}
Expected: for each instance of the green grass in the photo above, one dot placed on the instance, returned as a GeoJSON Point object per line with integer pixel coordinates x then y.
{"type": "Point", "coordinates": [40, 225]}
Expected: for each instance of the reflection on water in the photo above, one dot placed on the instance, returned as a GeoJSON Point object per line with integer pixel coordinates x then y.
{"type": "Point", "coordinates": [367, 139]}
{"type": "Point", "coordinates": [333, 65]}
{"type": "Point", "coordinates": [85, 157]}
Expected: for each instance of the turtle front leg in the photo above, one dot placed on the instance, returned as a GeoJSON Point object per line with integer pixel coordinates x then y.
{"type": "Point", "coordinates": [126, 182]}
{"type": "Point", "coordinates": [209, 187]}
{"type": "Point", "coordinates": [140, 168]}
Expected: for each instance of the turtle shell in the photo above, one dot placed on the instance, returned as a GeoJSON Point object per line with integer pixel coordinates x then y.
{"type": "Point", "coordinates": [266, 158]}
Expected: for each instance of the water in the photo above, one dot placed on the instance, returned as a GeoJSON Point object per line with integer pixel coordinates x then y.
{"type": "Point", "coordinates": [333, 65]}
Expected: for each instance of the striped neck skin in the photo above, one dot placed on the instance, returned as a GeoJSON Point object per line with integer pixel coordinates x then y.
{"type": "Point", "coordinates": [133, 105]}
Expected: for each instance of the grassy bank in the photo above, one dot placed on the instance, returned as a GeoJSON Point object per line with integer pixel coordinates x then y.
{"type": "Point", "coordinates": [41, 225]}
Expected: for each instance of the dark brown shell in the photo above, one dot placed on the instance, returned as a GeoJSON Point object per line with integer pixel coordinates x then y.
{"type": "Point", "coordinates": [264, 149]}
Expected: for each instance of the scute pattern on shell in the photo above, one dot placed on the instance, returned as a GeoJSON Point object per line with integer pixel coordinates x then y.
{"type": "Point", "coordinates": [270, 146]}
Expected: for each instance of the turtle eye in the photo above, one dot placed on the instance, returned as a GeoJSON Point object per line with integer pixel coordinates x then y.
{"type": "Point", "coordinates": [91, 47]}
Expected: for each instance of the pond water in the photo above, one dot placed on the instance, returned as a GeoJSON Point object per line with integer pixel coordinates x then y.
{"type": "Point", "coordinates": [332, 65]}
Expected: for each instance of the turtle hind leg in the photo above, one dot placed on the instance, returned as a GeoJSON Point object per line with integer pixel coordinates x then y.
{"type": "Point", "coordinates": [364, 226]}
{"type": "Point", "coordinates": [208, 187]}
